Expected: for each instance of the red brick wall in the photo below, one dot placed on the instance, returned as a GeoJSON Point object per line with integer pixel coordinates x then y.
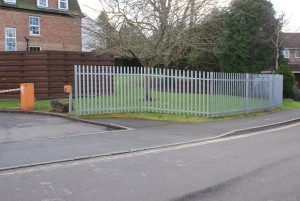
{"type": "Point", "coordinates": [53, 4]}
{"type": "Point", "coordinates": [57, 32]}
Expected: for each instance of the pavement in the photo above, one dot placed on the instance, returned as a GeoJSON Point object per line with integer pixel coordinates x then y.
{"type": "Point", "coordinates": [27, 139]}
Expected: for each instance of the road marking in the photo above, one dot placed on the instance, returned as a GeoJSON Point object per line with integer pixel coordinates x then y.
{"type": "Point", "coordinates": [138, 153]}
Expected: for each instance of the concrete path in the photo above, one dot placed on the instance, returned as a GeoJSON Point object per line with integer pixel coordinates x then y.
{"type": "Point", "coordinates": [97, 142]}
{"type": "Point", "coordinates": [136, 123]}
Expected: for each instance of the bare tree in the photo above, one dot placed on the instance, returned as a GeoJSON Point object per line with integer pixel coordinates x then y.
{"type": "Point", "coordinates": [155, 32]}
{"type": "Point", "coordinates": [203, 53]}
{"type": "Point", "coordinates": [91, 34]}
{"type": "Point", "coordinates": [278, 38]}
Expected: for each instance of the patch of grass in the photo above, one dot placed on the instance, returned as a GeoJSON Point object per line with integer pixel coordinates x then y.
{"type": "Point", "coordinates": [41, 105]}
{"type": "Point", "coordinates": [129, 93]}
{"type": "Point", "coordinates": [170, 117]}
{"type": "Point", "coordinates": [9, 104]}
{"type": "Point", "coordinates": [290, 104]}
{"type": "Point", "coordinates": [44, 105]}
{"type": "Point", "coordinates": [287, 104]}
{"type": "Point", "coordinates": [156, 117]}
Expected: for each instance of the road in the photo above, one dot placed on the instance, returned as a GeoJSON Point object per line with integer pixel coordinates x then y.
{"type": "Point", "coordinates": [262, 167]}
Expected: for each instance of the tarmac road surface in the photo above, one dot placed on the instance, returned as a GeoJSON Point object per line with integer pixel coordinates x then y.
{"type": "Point", "coordinates": [262, 167]}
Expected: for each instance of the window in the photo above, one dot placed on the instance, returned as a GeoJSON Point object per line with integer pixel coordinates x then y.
{"type": "Point", "coordinates": [10, 39]}
{"type": "Point", "coordinates": [35, 48]}
{"type": "Point", "coordinates": [42, 3]}
{"type": "Point", "coordinates": [63, 4]}
{"type": "Point", "coordinates": [286, 53]}
{"type": "Point", "coordinates": [10, 1]}
{"type": "Point", "coordinates": [34, 25]}
{"type": "Point", "coordinates": [297, 54]}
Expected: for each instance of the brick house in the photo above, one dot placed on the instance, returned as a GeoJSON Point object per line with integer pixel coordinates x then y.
{"type": "Point", "coordinates": [291, 51]}
{"type": "Point", "coordinates": [35, 25]}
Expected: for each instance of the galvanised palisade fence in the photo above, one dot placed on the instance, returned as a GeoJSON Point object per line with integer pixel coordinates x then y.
{"type": "Point", "coordinates": [103, 90]}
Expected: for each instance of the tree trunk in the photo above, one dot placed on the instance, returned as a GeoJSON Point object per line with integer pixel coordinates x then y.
{"type": "Point", "coordinates": [277, 58]}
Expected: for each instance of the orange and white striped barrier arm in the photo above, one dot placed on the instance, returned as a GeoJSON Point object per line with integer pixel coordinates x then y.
{"type": "Point", "coordinates": [9, 90]}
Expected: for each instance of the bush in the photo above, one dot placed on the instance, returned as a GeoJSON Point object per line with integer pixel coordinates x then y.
{"type": "Point", "coordinates": [296, 93]}
{"type": "Point", "coordinates": [288, 80]}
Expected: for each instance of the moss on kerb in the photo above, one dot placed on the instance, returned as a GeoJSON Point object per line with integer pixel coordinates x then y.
{"type": "Point", "coordinates": [74, 8]}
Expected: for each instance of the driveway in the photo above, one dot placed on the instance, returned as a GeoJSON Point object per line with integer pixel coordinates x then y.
{"type": "Point", "coordinates": [21, 127]}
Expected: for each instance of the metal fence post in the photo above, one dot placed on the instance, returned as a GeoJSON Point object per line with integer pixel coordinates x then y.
{"type": "Point", "coordinates": [281, 91]}
{"type": "Point", "coordinates": [247, 92]}
{"type": "Point", "coordinates": [76, 90]}
{"type": "Point", "coordinates": [70, 103]}
{"type": "Point", "coordinates": [271, 92]}
{"type": "Point", "coordinates": [211, 93]}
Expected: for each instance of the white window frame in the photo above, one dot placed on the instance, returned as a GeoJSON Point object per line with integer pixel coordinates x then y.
{"type": "Point", "coordinates": [297, 51]}
{"type": "Point", "coordinates": [286, 53]}
{"type": "Point", "coordinates": [7, 37]}
{"type": "Point", "coordinates": [39, 3]}
{"type": "Point", "coordinates": [39, 26]}
{"type": "Point", "coordinates": [35, 46]}
{"type": "Point", "coordinates": [10, 1]}
{"type": "Point", "coordinates": [63, 1]}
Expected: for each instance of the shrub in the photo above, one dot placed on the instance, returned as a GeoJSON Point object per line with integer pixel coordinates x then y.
{"type": "Point", "coordinates": [288, 80]}
{"type": "Point", "coordinates": [296, 93]}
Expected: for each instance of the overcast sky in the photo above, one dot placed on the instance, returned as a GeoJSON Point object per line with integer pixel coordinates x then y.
{"type": "Point", "coordinates": [289, 7]}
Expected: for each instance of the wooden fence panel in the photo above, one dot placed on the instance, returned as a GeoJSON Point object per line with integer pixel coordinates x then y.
{"type": "Point", "coordinates": [48, 70]}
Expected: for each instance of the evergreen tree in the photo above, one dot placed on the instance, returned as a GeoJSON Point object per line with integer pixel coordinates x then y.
{"type": "Point", "coordinates": [246, 43]}
{"type": "Point", "coordinates": [203, 52]}
{"type": "Point", "coordinates": [107, 32]}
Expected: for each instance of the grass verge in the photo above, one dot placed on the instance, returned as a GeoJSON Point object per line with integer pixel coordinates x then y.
{"type": "Point", "coordinates": [44, 105]}
{"type": "Point", "coordinates": [287, 104]}
{"type": "Point", "coordinates": [40, 105]}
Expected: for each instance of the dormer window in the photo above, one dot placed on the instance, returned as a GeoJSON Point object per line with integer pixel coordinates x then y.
{"type": "Point", "coordinates": [42, 3]}
{"type": "Point", "coordinates": [63, 4]}
{"type": "Point", "coordinates": [10, 1]}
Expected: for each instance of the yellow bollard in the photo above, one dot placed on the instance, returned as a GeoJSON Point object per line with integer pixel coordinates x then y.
{"type": "Point", "coordinates": [68, 89]}
{"type": "Point", "coordinates": [27, 96]}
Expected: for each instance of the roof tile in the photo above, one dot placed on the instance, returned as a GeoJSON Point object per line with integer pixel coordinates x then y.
{"type": "Point", "coordinates": [74, 9]}
{"type": "Point", "coordinates": [291, 40]}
